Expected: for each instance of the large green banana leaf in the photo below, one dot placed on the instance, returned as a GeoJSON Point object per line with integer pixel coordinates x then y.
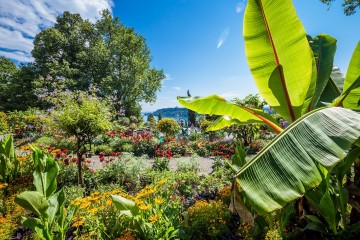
{"type": "Point", "coordinates": [324, 47]}
{"type": "Point", "coordinates": [279, 56]}
{"type": "Point", "coordinates": [287, 168]}
{"type": "Point", "coordinates": [338, 78]}
{"type": "Point", "coordinates": [352, 100]}
{"type": "Point", "coordinates": [216, 105]}
{"type": "Point", "coordinates": [330, 93]}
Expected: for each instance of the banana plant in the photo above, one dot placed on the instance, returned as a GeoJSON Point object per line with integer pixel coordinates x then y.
{"type": "Point", "coordinates": [293, 75]}
{"type": "Point", "coordinates": [52, 220]}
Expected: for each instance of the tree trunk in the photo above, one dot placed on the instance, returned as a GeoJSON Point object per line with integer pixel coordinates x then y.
{"type": "Point", "coordinates": [79, 156]}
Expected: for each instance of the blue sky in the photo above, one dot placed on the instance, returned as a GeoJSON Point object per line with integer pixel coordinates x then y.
{"type": "Point", "coordinates": [198, 43]}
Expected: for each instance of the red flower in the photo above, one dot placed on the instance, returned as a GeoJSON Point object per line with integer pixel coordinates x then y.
{"type": "Point", "coordinates": [88, 160]}
{"type": "Point", "coordinates": [74, 159]}
{"type": "Point", "coordinates": [58, 154]}
{"type": "Point", "coordinates": [111, 159]}
{"type": "Point", "coordinates": [101, 158]}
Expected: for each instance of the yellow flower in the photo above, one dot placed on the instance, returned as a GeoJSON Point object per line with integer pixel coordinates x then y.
{"type": "Point", "coordinates": [161, 182]}
{"type": "Point", "coordinates": [153, 218]}
{"type": "Point", "coordinates": [144, 207]}
{"type": "Point", "coordinates": [108, 202]}
{"type": "Point", "coordinates": [78, 223]}
{"type": "Point", "coordinates": [3, 185]}
{"type": "Point", "coordinates": [159, 200]}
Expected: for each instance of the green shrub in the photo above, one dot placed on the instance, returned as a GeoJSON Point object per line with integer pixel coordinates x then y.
{"type": "Point", "coordinates": [186, 165]}
{"type": "Point", "coordinates": [161, 164]}
{"type": "Point", "coordinates": [127, 171]}
{"type": "Point", "coordinates": [118, 143]}
{"type": "Point", "coordinates": [168, 126]}
{"type": "Point", "coordinates": [103, 148]}
{"type": "Point", "coordinates": [68, 143]}
{"type": "Point", "coordinates": [127, 148]}
{"type": "Point", "coordinates": [46, 141]}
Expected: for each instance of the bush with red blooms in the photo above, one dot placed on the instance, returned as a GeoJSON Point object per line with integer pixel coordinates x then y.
{"type": "Point", "coordinates": [225, 150]}
{"type": "Point", "coordinates": [162, 153]}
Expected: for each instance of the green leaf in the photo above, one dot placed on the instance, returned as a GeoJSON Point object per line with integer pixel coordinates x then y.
{"type": "Point", "coordinates": [313, 218]}
{"type": "Point", "coordinates": [328, 210]}
{"type": "Point", "coordinates": [56, 202]}
{"type": "Point", "coordinates": [239, 158]}
{"type": "Point", "coordinates": [279, 56]}
{"type": "Point", "coordinates": [324, 47]}
{"type": "Point", "coordinates": [353, 73]}
{"type": "Point", "coordinates": [330, 93]}
{"type": "Point", "coordinates": [33, 201]}
{"type": "Point", "coordinates": [318, 227]}
{"type": "Point", "coordinates": [287, 167]}
{"type": "Point", "coordinates": [355, 227]}
{"type": "Point", "coordinates": [34, 224]}
{"type": "Point", "coordinates": [223, 122]}
{"type": "Point", "coordinates": [345, 165]}
{"type": "Point", "coordinates": [339, 100]}
{"type": "Point", "coordinates": [124, 204]}
{"type": "Point", "coordinates": [216, 105]}
{"type": "Point", "coordinates": [45, 173]}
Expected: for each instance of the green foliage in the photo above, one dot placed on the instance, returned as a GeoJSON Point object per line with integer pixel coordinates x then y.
{"type": "Point", "coordinates": [8, 160]}
{"type": "Point", "coordinates": [4, 127]}
{"type": "Point", "coordinates": [168, 126]}
{"type": "Point", "coordinates": [51, 221]}
{"type": "Point", "coordinates": [83, 117]}
{"type": "Point", "coordinates": [161, 164]}
{"type": "Point", "coordinates": [127, 171]}
{"type": "Point", "coordinates": [106, 55]}
{"type": "Point", "coordinates": [204, 125]}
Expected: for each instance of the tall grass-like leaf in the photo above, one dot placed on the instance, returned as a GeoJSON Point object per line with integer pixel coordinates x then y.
{"type": "Point", "coordinates": [279, 56]}
{"type": "Point", "coordinates": [324, 47]}
{"type": "Point", "coordinates": [352, 100]}
{"type": "Point", "coordinates": [287, 167]}
{"type": "Point", "coordinates": [216, 105]}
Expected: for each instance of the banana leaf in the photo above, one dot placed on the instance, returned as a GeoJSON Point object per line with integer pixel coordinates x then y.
{"type": "Point", "coordinates": [279, 56]}
{"type": "Point", "coordinates": [324, 47]}
{"type": "Point", "coordinates": [216, 105]}
{"type": "Point", "coordinates": [352, 100]}
{"type": "Point", "coordinates": [287, 168]}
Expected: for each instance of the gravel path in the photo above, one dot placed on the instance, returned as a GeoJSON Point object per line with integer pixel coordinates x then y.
{"type": "Point", "coordinates": [204, 168]}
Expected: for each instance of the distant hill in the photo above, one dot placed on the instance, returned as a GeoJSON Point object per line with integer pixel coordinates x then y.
{"type": "Point", "coordinates": [174, 112]}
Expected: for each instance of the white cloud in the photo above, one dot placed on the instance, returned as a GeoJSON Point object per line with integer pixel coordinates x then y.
{"type": "Point", "coordinates": [167, 77]}
{"type": "Point", "coordinates": [177, 88]}
{"type": "Point", "coordinates": [21, 20]}
{"type": "Point", "coordinates": [223, 37]}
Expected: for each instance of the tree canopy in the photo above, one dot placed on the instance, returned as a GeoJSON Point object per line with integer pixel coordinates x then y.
{"type": "Point", "coordinates": [76, 54]}
{"type": "Point", "coordinates": [348, 5]}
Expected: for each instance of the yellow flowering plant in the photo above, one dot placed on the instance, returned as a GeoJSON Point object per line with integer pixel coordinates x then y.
{"type": "Point", "coordinates": [206, 220]}
{"type": "Point", "coordinates": [154, 213]}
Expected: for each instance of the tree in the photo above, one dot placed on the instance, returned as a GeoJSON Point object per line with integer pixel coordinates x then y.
{"type": "Point", "coordinates": [159, 116]}
{"type": "Point", "coordinates": [84, 117]}
{"type": "Point", "coordinates": [191, 113]}
{"type": "Point", "coordinates": [168, 126]}
{"type": "Point", "coordinates": [77, 55]}
{"type": "Point", "coordinates": [7, 73]}
{"type": "Point", "coordinates": [348, 5]}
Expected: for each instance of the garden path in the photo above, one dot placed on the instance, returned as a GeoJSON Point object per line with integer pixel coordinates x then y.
{"type": "Point", "coordinates": [204, 168]}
